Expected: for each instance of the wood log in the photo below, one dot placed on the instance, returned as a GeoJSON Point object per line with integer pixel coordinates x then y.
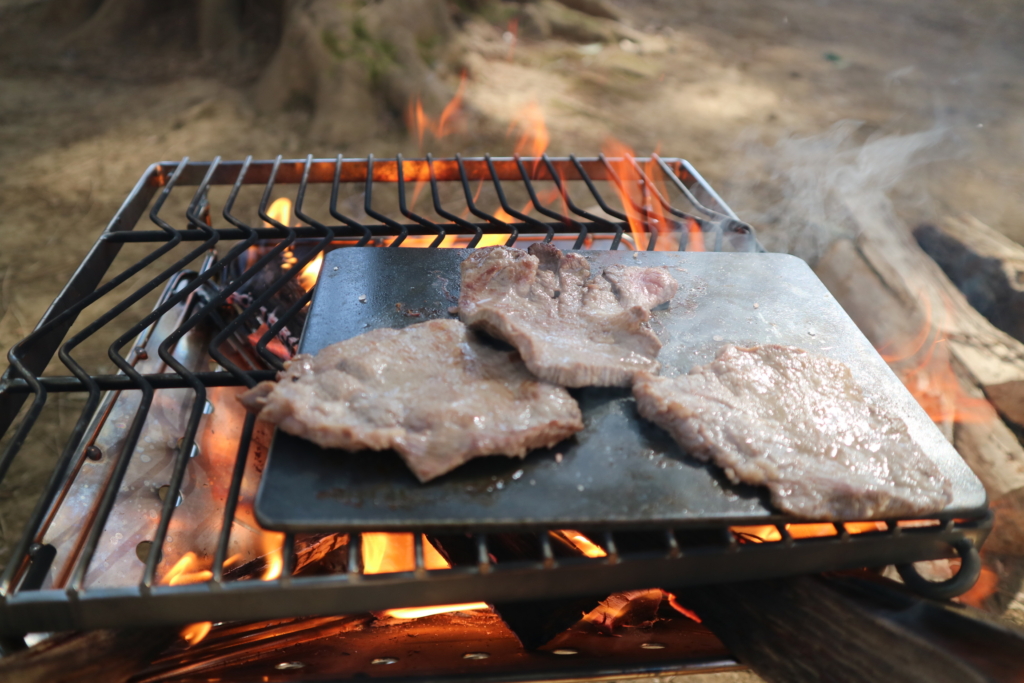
{"type": "Point", "coordinates": [534, 622]}
{"type": "Point", "coordinates": [847, 630]}
{"type": "Point", "coordinates": [110, 656]}
{"type": "Point", "coordinates": [987, 267]}
{"type": "Point", "coordinates": [906, 307]}
{"type": "Point", "coordinates": [994, 359]}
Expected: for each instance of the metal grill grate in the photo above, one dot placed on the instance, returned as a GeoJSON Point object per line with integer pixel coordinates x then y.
{"type": "Point", "coordinates": [637, 211]}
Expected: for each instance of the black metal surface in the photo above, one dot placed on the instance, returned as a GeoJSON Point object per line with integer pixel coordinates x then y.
{"type": "Point", "coordinates": [620, 470]}
{"type": "Point", "coordinates": [195, 302]}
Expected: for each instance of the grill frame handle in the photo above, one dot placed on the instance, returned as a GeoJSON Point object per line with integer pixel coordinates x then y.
{"type": "Point", "coordinates": [970, 570]}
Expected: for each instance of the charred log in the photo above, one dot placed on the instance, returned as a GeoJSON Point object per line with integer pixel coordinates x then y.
{"type": "Point", "coordinates": [986, 266]}
{"type": "Point", "coordinates": [112, 656]}
{"type": "Point", "coordinates": [534, 622]}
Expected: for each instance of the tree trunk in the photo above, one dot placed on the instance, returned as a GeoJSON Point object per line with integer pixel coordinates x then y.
{"type": "Point", "coordinates": [358, 68]}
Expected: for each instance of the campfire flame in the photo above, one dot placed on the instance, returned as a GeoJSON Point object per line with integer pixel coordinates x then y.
{"type": "Point", "coordinates": [583, 544]}
{"type": "Point", "coordinates": [534, 136]}
{"type": "Point", "coordinates": [696, 241]}
{"type": "Point", "coordinates": [193, 633]}
{"type": "Point", "coordinates": [769, 533]}
{"type": "Point", "coordinates": [422, 123]}
{"type": "Point", "coordinates": [272, 544]}
{"type": "Point", "coordinates": [923, 365]}
{"type": "Point", "coordinates": [281, 211]}
{"type": "Point", "coordinates": [642, 208]}
{"type": "Point", "coordinates": [420, 612]}
{"type": "Point", "coordinates": [186, 570]}
{"type": "Point", "coordinates": [310, 272]}
{"type": "Point", "coordinates": [385, 553]}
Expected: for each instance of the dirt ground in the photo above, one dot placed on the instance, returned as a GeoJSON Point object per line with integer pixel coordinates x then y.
{"type": "Point", "coordinates": [750, 91]}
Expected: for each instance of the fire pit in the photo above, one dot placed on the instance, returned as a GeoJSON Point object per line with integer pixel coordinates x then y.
{"type": "Point", "coordinates": [148, 518]}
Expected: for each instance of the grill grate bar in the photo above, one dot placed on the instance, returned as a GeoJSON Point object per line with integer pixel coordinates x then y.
{"type": "Point", "coordinates": [630, 561]}
{"type": "Point", "coordinates": [123, 458]}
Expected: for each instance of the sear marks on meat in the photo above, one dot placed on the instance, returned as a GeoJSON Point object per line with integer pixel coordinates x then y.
{"type": "Point", "coordinates": [780, 417]}
{"type": "Point", "coordinates": [431, 391]}
{"type": "Point", "coordinates": [571, 327]}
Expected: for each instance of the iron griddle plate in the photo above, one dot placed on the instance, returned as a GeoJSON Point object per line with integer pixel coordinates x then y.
{"type": "Point", "coordinates": [620, 471]}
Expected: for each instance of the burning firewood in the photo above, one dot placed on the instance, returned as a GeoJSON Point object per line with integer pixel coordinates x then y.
{"type": "Point", "coordinates": [963, 371]}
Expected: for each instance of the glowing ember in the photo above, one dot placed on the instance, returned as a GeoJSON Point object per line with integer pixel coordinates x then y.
{"type": "Point", "coordinates": [987, 585]}
{"type": "Point", "coordinates": [583, 544]}
{"type": "Point", "coordinates": [864, 527]}
{"type": "Point", "coordinates": [275, 345]}
{"type": "Point", "coordinates": [761, 533]}
{"type": "Point", "coordinates": [419, 612]}
{"type": "Point", "coordinates": [682, 610]}
{"type": "Point", "coordinates": [193, 633]}
{"type": "Point", "coordinates": [811, 530]}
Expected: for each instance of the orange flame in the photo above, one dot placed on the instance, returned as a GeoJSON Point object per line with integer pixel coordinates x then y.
{"type": "Point", "coordinates": [193, 633]}
{"type": "Point", "coordinates": [422, 123]}
{"type": "Point", "coordinates": [654, 192]}
{"type": "Point", "coordinates": [310, 272]}
{"type": "Point", "coordinates": [619, 156]}
{"type": "Point", "coordinates": [696, 241]}
{"type": "Point", "coordinates": [674, 602]}
{"type": "Point", "coordinates": [186, 571]}
{"type": "Point", "coordinates": [272, 544]}
{"type": "Point", "coordinates": [281, 211]}
{"type": "Point", "coordinates": [759, 533]}
{"type": "Point", "coordinates": [385, 553]}
{"type": "Point", "coordinates": [275, 345]}
{"type": "Point", "coordinates": [987, 585]}
{"type": "Point", "coordinates": [534, 136]}
{"type": "Point", "coordinates": [930, 378]}
{"type": "Point", "coordinates": [811, 530]}
{"type": "Point", "coordinates": [420, 612]}
{"type": "Point", "coordinates": [641, 195]}
{"type": "Point", "coordinates": [584, 544]}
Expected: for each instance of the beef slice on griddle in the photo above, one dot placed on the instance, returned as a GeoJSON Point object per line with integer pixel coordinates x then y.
{"type": "Point", "coordinates": [780, 417]}
{"type": "Point", "coordinates": [431, 391]}
{"type": "Point", "coordinates": [572, 327]}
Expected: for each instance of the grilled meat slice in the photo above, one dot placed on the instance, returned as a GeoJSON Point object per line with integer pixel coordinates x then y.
{"type": "Point", "coordinates": [431, 391]}
{"type": "Point", "coordinates": [797, 423]}
{"type": "Point", "coordinates": [572, 327]}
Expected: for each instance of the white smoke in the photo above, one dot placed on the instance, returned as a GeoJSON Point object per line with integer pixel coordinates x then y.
{"type": "Point", "coordinates": [802, 194]}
